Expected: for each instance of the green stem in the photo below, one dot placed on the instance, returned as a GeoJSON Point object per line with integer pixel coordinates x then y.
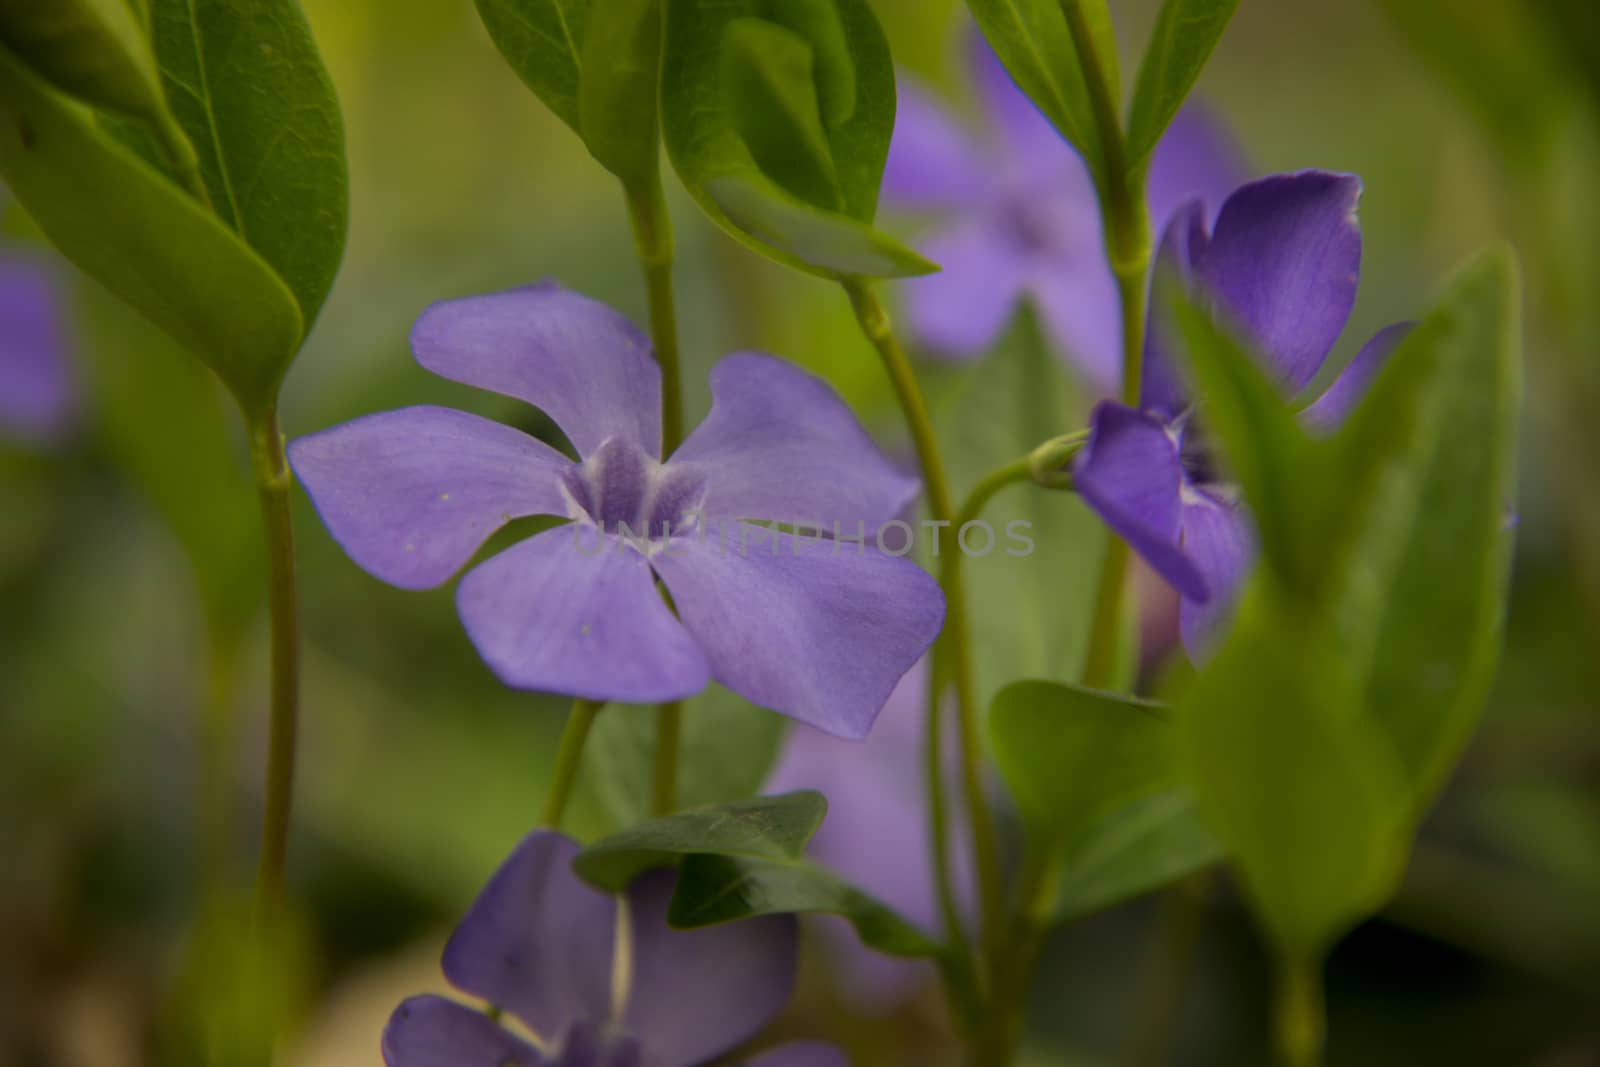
{"type": "Point", "coordinates": [273, 481]}
{"type": "Point", "coordinates": [653, 244]}
{"type": "Point", "coordinates": [669, 742]}
{"type": "Point", "coordinates": [1301, 1022]}
{"type": "Point", "coordinates": [568, 756]}
{"type": "Point", "coordinates": [955, 643]}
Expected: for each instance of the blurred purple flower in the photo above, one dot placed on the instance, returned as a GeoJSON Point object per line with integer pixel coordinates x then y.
{"type": "Point", "coordinates": [816, 629]}
{"type": "Point", "coordinates": [876, 835]}
{"type": "Point", "coordinates": [1282, 267]}
{"type": "Point", "coordinates": [1023, 221]}
{"type": "Point", "coordinates": [599, 980]}
{"type": "Point", "coordinates": [38, 396]}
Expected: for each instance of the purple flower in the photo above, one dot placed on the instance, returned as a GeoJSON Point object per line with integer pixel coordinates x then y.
{"type": "Point", "coordinates": [1023, 221]}
{"type": "Point", "coordinates": [1281, 267]}
{"type": "Point", "coordinates": [817, 628]}
{"type": "Point", "coordinates": [38, 398]}
{"type": "Point", "coordinates": [599, 980]}
{"type": "Point", "coordinates": [876, 834]}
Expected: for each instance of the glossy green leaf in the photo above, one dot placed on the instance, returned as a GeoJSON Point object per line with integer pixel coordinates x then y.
{"type": "Point", "coordinates": [1095, 780]}
{"type": "Point", "coordinates": [96, 50]}
{"type": "Point", "coordinates": [618, 107]}
{"type": "Point", "coordinates": [542, 40]}
{"type": "Point", "coordinates": [732, 155]}
{"type": "Point", "coordinates": [1186, 33]}
{"type": "Point", "coordinates": [247, 85]}
{"type": "Point", "coordinates": [765, 828]}
{"type": "Point", "coordinates": [1150, 843]}
{"type": "Point", "coordinates": [1003, 406]}
{"type": "Point", "coordinates": [1032, 40]}
{"type": "Point", "coordinates": [1425, 469]}
{"type": "Point", "coordinates": [719, 888]}
{"type": "Point", "coordinates": [135, 232]}
{"type": "Point", "coordinates": [729, 746]}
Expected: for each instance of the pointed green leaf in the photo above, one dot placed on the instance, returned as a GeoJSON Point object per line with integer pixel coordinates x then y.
{"type": "Point", "coordinates": [96, 50]}
{"type": "Point", "coordinates": [542, 40]}
{"type": "Point", "coordinates": [1186, 33]}
{"type": "Point", "coordinates": [1032, 40]}
{"type": "Point", "coordinates": [248, 87]}
{"type": "Point", "coordinates": [742, 185]}
{"type": "Point", "coordinates": [618, 107]}
{"type": "Point", "coordinates": [135, 232]}
{"type": "Point", "coordinates": [765, 828]}
{"type": "Point", "coordinates": [1151, 843]}
{"type": "Point", "coordinates": [718, 889]}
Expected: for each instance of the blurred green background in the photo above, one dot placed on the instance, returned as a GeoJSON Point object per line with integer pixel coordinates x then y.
{"type": "Point", "coordinates": [128, 629]}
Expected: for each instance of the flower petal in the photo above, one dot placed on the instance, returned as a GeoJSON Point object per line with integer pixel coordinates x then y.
{"type": "Point", "coordinates": [932, 162]}
{"type": "Point", "coordinates": [411, 494]}
{"type": "Point", "coordinates": [1183, 249]}
{"type": "Point", "coordinates": [1078, 302]}
{"type": "Point", "coordinates": [1284, 262]}
{"type": "Point", "coordinates": [435, 1032]}
{"type": "Point", "coordinates": [1218, 538]}
{"type": "Point", "coordinates": [959, 312]}
{"type": "Point", "coordinates": [38, 396]}
{"type": "Point", "coordinates": [1130, 473]}
{"type": "Point", "coordinates": [538, 941]}
{"type": "Point", "coordinates": [780, 445]}
{"type": "Point", "coordinates": [1196, 159]}
{"type": "Point", "coordinates": [573, 611]}
{"type": "Point", "coordinates": [801, 1054]}
{"type": "Point", "coordinates": [579, 361]}
{"type": "Point", "coordinates": [696, 994]}
{"type": "Point", "coordinates": [817, 630]}
{"type": "Point", "coordinates": [1351, 385]}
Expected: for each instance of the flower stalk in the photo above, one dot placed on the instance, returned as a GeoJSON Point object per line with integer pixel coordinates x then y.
{"type": "Point", "coordinates": [568, 756]}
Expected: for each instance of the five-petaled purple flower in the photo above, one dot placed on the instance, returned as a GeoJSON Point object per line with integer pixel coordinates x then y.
{"type": "Point", "coordinates": [1023, 221]}
{"type": "Point", "coordinates": [816, 628]}
{"type": "Point", "coordinates": [1281, 267]}
{"type": "Point", "coordinates": [599, 980]}
{"type": "Point", "coordinates": [38, 398]}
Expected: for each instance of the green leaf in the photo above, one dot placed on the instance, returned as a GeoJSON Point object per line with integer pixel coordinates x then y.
{"type": "Point", "coordinates": [1425, 471]}
{"type": "Point", "coordinates": [247, 85]}
{"type": "Point", "coordinates": [1152, 842]}
{"type": "Point", "coordinates": [769, 82]}
{"type": "Point", "coordinates": [1032, 40]}
{"type": "Point", "coordinates": [543, 42]}
{"type": "Point", "coordinates": [618, 107]}
{"type": "Point", "coordinates": [1185, 34]}
{"type": "Point", "coordinates": [765, 828]}
{"type": "Point", "coordinates": [135, 232]}
{"type": "Point", "coordinates": [1016, 397]}
{"type": "Point", "coordinates": [729, 746]}
{"type": "Point", "coordinates": [750, 188]}
{"type": "Point", "coordinates": [1094, 778]}
{"type": "Point", "coordinates": [719, 888]}
{"type": "Point", "coordinates": [95, 50]}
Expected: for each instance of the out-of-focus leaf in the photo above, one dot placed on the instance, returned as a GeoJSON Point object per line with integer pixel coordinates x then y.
{"type": "Point", "coordinates": [1032, 40]}
{"type": "Point", "coordinates": [1185, 34]}
{"type": "Point", "coordinates": [96, 50]}
{"type": "Point", "coordinates": [1094, 778]}
{"type": "Point", "coordinates": [718, 889]}
{"type": "Point", "coordinates": [618, 108]}
{"type": "Point", "coordinates": [543, 40]}
{"type": "Point", "coordinates": [1008, 403]}
{"type": "Point", "coordinates": [709, 135]}
{"type": "Point", "coordinates": [764, 828]}
{"type": "Point", "coordinates": [246, 83]}
{"type": "Point", "coordinates": [138, 234]}
{"type": "Point", "coordinates": [729, 746]}
{"type": "Point", "coordinates": [1331, 713]}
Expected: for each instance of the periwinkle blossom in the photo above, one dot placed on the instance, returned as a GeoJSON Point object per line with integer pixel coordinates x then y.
{"type": "Point", "coordinates": [38, 397]}
{"type": "Point", "coordinates": [599, 980]}
{"type": "Point", "coordinates": [1281, 268]}
{"type": "Point", "coordinates": [818, 628]}
{"type": "Point", "coordinates": [1019, 218]}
